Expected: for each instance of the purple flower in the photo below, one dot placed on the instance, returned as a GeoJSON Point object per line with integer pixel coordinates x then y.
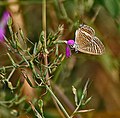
{"type": "Point", "coordinates": [68, 50]}
{"type": "Point", "coordinates": [3, 24]}
{"type": "Point", "coordinates": [70, 42]}
{"type": "Point", "coordinates": [2, 33]}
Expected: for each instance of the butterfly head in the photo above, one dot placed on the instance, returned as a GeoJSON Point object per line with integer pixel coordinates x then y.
{"type": "Point", "coordinates": [81, 25]}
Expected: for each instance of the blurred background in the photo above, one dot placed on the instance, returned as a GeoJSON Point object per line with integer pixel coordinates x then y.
{"type": "Point", "coordinates": [103, 71]}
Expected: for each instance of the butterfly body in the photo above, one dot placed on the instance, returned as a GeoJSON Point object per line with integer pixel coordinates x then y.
{"type": "Point", "coordinates": [87, 42]}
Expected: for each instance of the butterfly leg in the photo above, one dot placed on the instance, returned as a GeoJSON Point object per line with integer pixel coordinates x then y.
{"type": "Point", "coordinates": [76, 48]}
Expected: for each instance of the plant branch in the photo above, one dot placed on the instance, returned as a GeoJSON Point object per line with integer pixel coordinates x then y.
{"type": "Point", "coordinates": [59, 103]}
{"type": "Point", "coordinates": [45, 47]}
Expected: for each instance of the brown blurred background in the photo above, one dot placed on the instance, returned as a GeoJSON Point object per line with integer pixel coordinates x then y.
{"type": "Point", "coordinates": [103, 71]}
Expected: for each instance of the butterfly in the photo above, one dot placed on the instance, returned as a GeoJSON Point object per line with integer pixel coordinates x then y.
{"type": "Point", "coordinates": [87, 42]}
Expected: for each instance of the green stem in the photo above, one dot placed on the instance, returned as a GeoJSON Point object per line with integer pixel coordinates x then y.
{"type": "Point", "coordinates": [82, 97]}
{"type": "Point", "coordinates": [45, 46]}
{"type": "Point", "coordinates": [10, 75]}
{"type": "Point", "coordinates": [23, 57]}
{"type": "Point", "coordinates": [9, 67]}
{"type": "Point", "coordinates": [59, 103]}
{"type": "Point", "coordinates": [11, 59]}
{"type": "Point", "coordinates": [60, 42]}
{"type": "Point", "coordinates": [46, 60]}
{"type": "Point", "coordinates": [75, 109]}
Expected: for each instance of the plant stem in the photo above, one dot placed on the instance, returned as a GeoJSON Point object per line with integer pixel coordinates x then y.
{"type": "Point", "coordinates": [60, 42]}
{"type": "Point", "coordinates": [46, 61]}
{"type": "Point", "coordinates": [45, 47]}
{"type": "Point", "coordinates": [81, 99]}
{"type": "Point", "coordinates": [59, 103]}
{"type": "Point", "coordinates": [10, 75]}
{"type": "Point", "coordinates": [9, 67]}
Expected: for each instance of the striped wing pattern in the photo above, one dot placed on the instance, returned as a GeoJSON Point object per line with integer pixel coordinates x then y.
{"type": "Point", "coordinates": [87, 29]}
{"type": "Point", "coordinates": [87, 42]}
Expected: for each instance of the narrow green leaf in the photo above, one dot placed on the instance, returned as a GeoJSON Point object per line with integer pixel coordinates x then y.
{"type": "Point", "coordinates": [40, 103]}
{"type": "Point", "coordinates": [56, 51]}
{"type": "Point", "coordinates": [10, 85]}
{"type": "Point", "coordinates": [11, 59]}
{"type": "Point", "coordinates": [35, 49]}
{"type": "Point", "coordinates": [84, 93]}
{"type": "Point", "coordinates": [39, 46]}
{"type": "Point", "coordinates": [83, 111]}
{"type": "Point", "coordinates": [75, 95]}
{"type": "Point", "coordinates": [22, 34]}
{"type": "Point", "coordinates": [28, 80]}
{"type": "Point", "coordinates": [88, 100]}
{"type": "Point", "coordinates": [41, 37]}
{"type": "Point", "coordinates": [9, 23]}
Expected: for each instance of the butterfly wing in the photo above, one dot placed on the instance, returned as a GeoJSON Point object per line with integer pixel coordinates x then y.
{"type": "Point", "coordinates": [84, 35]}
{"type": "Point", "coordinates": [87, 42]}
{"type": "Point", "coordinates": [80, 39]}
{"type": "Point", "coordinates": [87, 30]}
{"type": "Point", "coordinates": [94, 47]}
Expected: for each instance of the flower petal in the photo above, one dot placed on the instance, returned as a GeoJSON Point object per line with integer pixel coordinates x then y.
{"type": "Point", "coordinates": [2, 33]}
{"type": "Point", "coordinates": [68, 51]}
{"type": "Point", "coordinates": [5, 18]}
{"type": "Point", "coordinates": [70, 42]}
{"type": "Point", "coordinates": [3, 24]}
